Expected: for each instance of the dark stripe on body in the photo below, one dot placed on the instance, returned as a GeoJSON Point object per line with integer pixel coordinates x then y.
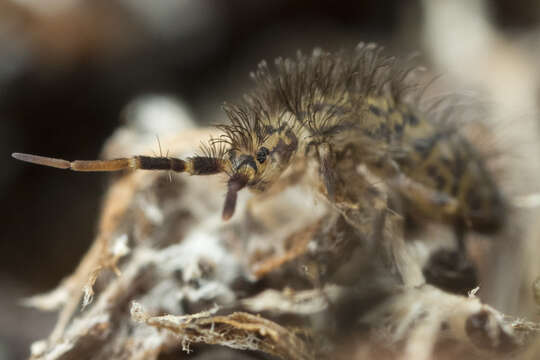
{"type": "Point", "coordinates": [375, 110]}
{"type": "Point", "coordinates": [284, 150]}
{"type": "Point", "coordinates": [411, 120]}
{"type": "Point", "coordinates": [426, 145]}
{"type": "Point", "coordinates": [270, 130]}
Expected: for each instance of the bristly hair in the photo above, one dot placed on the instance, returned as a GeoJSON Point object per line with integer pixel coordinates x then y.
{"type": "Point", "coordinates": [215, 151]}
{"type": "Point", "coordinates": [214, 148]}
{"type": "Point", "coordinates": [323, 92]}
{"type": "Point", "coordinates": [247, 129]}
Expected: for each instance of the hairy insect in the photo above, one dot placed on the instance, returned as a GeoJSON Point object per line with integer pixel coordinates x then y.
{"type": "Point", "coordinates": [358, 108]}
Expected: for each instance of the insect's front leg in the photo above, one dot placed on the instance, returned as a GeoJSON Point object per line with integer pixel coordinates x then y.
{"type": "Point", "coordinates": [362, 199]}
{"type": "Point", "coordinates": [327, 169]}
{"type": "Point", "coordinates": [348, 190]}
{"type": "Point", "coordinates": [431, 203]}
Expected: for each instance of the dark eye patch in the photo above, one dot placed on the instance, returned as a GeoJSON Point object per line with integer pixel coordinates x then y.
{"type": "Point", "coordinates": [262, 154]}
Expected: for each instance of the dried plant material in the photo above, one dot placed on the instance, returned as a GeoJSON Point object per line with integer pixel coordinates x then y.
{"type": "Point", "coordinates": [175, 255]}
{"type": "Point", "coordinates": [423, 317]}
{"type": "Point", "coordinates": [298, 241]}
{"type": "Point", "coordinates": [80, 283]}
{"type": "Point", "coordinates": [305, 302]}
{"type": "Point", "coordinates": [239, 330]}
{"type": "Point", "coordinates": [50, 301]}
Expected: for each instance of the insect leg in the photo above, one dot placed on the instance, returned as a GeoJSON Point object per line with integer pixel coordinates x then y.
{"type": "Point", "coordinates": [327, 160]}
{"type": "Point", "coordinates": [365, 206]}
{"type": "Point", "coordinates": [431, 202]}
{"type": "Point", "coordinates": [450, 269]}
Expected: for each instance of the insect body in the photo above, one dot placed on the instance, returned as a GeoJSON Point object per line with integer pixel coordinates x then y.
{"type": "Point", "coordinates": [332, 108]}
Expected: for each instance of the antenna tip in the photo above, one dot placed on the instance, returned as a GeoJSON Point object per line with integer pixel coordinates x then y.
{"type": "Point", "coordinates": [19, 156]}
{"type": "Point", "coordinates": [42, 160]}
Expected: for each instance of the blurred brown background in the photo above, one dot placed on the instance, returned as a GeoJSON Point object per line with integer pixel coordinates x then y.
{"type": "Point", "coordinates": [69, 68]}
